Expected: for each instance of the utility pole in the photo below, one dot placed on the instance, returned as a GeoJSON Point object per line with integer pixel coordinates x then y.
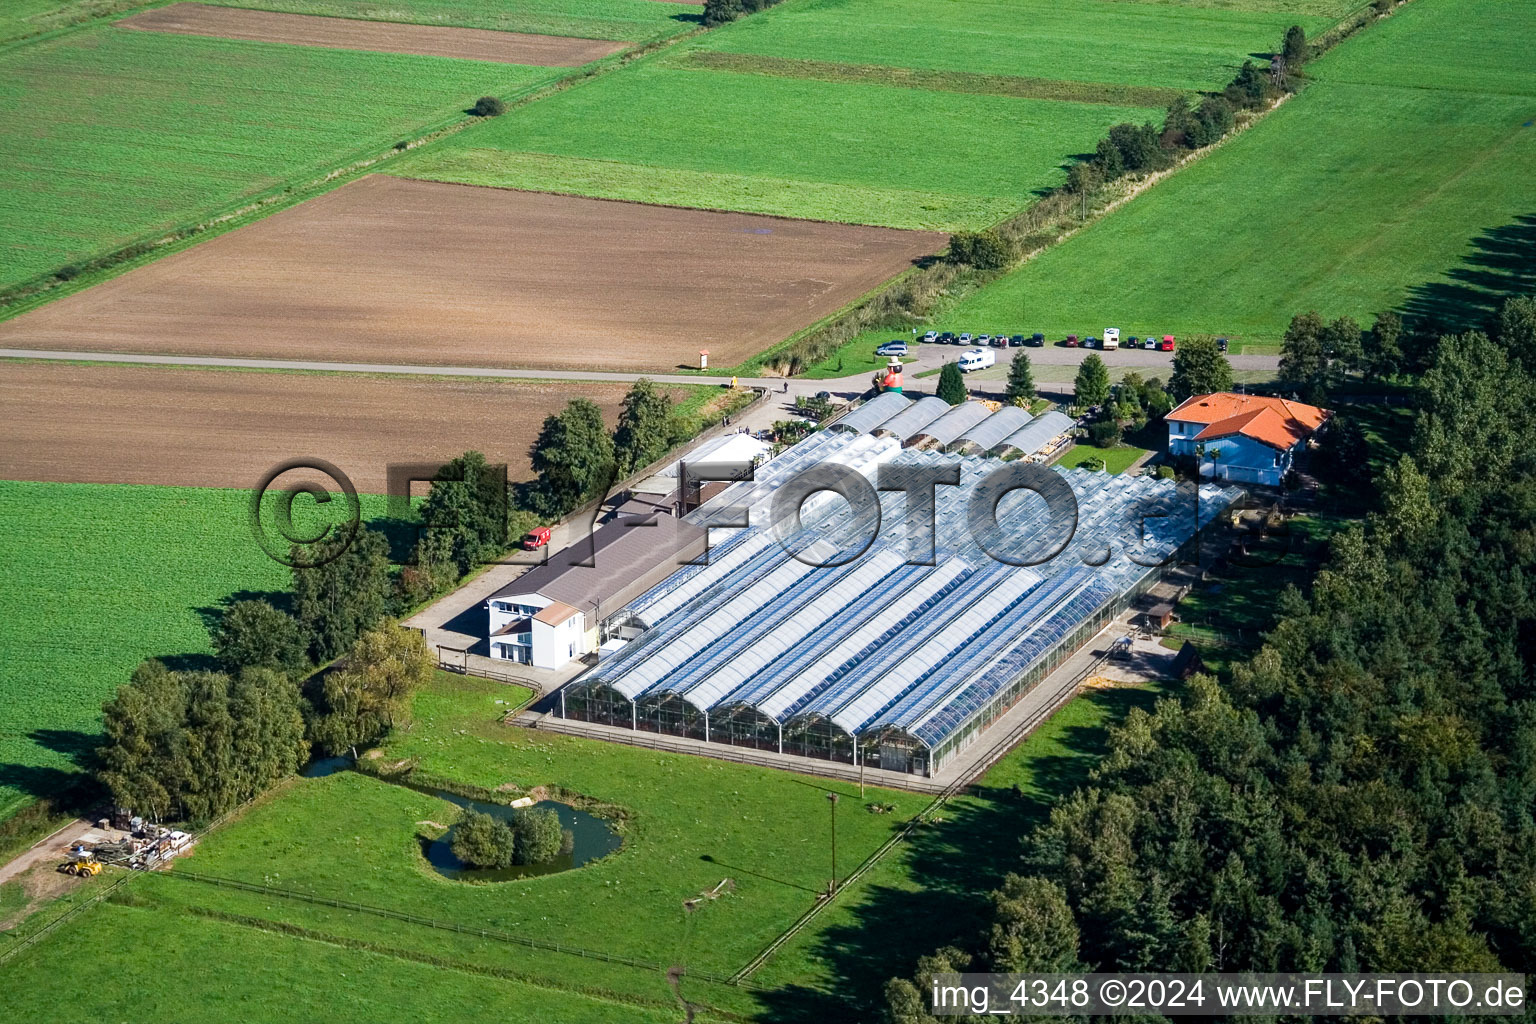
{"type": "Point", "coordinates": [832, 801]}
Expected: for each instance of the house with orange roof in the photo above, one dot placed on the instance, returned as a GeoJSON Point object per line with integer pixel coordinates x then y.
{"type": "Point", "coordinates": [1249, 439]}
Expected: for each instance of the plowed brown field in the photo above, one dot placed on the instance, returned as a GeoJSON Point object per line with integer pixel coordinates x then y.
{"type": "Point", "coordinates": [380, 36]}
{"type": "Point", "coordinates": [390, 270]}
{"type": "Point", "coordinates": [226, 428]}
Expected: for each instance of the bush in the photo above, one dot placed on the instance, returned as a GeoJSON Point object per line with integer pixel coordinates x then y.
{"type": "Point", "coordinates": [488, 106]}
{"type": "Point", "coordinates": [952, 384]}
{"type": "Point", "coordinates": [536, 835]}
{"type": "Point", "coordinates": [984, 250]}
{"type": "Point", "coordinates": [253, 634]}
{"type": "Point", "coordinates": [1165, 473]}
{"type": "Point", "coordinates": [1105, 433]}
{"type": "Point", "coordinates": [483, 841]}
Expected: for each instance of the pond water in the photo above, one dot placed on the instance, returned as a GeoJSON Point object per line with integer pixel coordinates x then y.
{"type": "Point", "coordinates": [591, 836]}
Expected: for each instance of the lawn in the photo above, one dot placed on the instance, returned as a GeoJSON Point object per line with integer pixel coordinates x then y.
{"type": "Point", "coordinates": [1325, 204]}
{"type": "Point", "coordinates": [183, 966]}
{"type": "Point", "coordinates": [632, 20]}
{"type": "Point", "coordinates": [1144, 44]}
{"type": "Point", "coordinates": [1116, 460]}
{"type": "Point", "coordinates": [113, 134]}
{"type": "Point", "coordinates": [856, 153]}
{"type": "Point", "coordinates": [100, 577]}
{"type": "Point", "coordinates": [693, 821]}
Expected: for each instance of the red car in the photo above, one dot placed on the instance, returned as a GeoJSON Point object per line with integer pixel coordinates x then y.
{"type": "Point", "coordinates": [1167, 345]}
{"type": "Point", "coordinates": [535, 538]}
{"type": "Point", "coordinates": [1071, 341]}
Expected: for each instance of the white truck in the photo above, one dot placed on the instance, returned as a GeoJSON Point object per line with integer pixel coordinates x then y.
{"type": "Point", "coordinates": [1111, 338]}
{"type": "Point", "coordinates": [977, 359]}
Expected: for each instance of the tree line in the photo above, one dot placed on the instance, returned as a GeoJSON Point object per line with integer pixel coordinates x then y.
{"type": "Point", "coordinates": [1361, 795]}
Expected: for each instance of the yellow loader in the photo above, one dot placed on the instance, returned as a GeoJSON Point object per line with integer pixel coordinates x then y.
{"type": "Point", "coordinates": [83, 867]}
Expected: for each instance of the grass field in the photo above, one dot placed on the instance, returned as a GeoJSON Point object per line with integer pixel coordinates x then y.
{"type": "Point", "coordinates": [693, 821]}
{"type": "Point", "coordinates": [98, 578]}
{"type": "Point", "coordinates": [897, 157]}
{"type": "Point", "coordinates": [1395, 167]}
{"type": "Point", "coordinates": [1116, 460]}
{"type": "Point", "coordinates": [1146, 44]}
{"type": "Point", "coordinates": [113, 134]}
{"type": "Point", "coordinates": [635, 21]}
{"type": "Point", "coordinates": [188, 967]}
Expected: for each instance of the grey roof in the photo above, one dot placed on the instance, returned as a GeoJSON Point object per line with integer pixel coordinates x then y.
{"type": "Point", "coordinates": [917, 416]}
{"type": "Point", "coordinates": [1034, 434]}
{"type": "Point", "coordinates": [624, 560]}
{"type": "Point", "coordinates": [952, 424]}
{"type": "Point", "coordinates": [872, 413]}
{"type": "Point", "coordinates": [984, 436]}
{"type": "Point", "coordinates": [879, 643]}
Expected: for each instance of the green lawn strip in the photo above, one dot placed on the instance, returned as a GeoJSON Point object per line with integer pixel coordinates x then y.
{"type": "Point", "coordinates": [185, 966]}
{"type": "Point", "coordinates": [355, 837]}
{"type": "Point", "coordinates": [100, 578]}
{"type": "Point", "coordinates": [670, 186]}
{"type": "Point", "coordinates": [981, 157]}
{"type": "Point", "coordinates": [115, 134]}
{"type": "Point", "coordinates": [1084, 40]}
{"type": "Point", "coordinates": [917, 78]}
{"type": "Point", "coordinates": [925, 892]}
{"type": "Point", "coordinates": [1116, 460]}
{"type": "Point", "coordinates": [629, 20]}
{"type": "Point", "coordinates": [1315, 207]}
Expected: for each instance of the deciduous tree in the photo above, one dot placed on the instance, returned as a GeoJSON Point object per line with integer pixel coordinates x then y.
{"type": "Point", "coordinates": [1199, 368]}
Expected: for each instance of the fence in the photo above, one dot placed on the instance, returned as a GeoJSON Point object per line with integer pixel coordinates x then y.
{"type": "Point", "coordinates": [47, 929]}
{"type": "Point", "coordinates": [450, 926]}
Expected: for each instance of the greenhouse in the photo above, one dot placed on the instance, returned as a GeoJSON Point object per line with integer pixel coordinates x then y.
{"type": "Point", "coordinates": [876, 660]}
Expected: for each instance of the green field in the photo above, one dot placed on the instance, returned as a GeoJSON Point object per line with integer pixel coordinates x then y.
{"type": "Point", "coordinates": [1116, 460]}
{"type": "Point", "coordinates": [112, 134]}
{"type": "Point", "coordinates": [863, 153]}
{"type": "Point", "coordinates": [1184, 47]}
{"type": "Point", "coordinates": [189, 967]}
{"type": "Point", "coordinates": [635, 21]}
{"type": "Point", "coordinates": [1378, 177]}
{"type": "Point", "coordinates": [693, 821]}
{"type": "Point", "coordinates": [99, 578]}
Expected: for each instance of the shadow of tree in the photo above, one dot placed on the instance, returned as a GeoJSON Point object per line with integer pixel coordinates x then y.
{"type": "Point", "coordinates": [952, 865]}
{"type": "Point", "coordinates": [1502, 264]}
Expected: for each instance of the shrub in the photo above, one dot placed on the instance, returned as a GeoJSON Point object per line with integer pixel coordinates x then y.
{"type": "Point", "coordinates": [985, 250]}
{"type": "Point", "coordinates": [488, 106]}
{"type": "Point", "coordinates": [1165, 473]}
{"type": "Point", "coordinates": [483, 841]}
{"type": "Point", "coordinates": [952, 384]}
{"type": "Point", "coordinates": [536, 835]}
{"type": "Point", "coordinates": [1105, 433]}
{"type": "Point", "coordinates": [1294, 49]}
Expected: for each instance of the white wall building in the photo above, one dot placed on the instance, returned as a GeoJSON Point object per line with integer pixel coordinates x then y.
{"type": "Point", "coordinates": [1249, 439]}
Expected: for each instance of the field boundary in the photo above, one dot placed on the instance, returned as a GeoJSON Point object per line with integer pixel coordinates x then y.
{"type": "Point", "coordinates": [494, 934]}
{"type": "Point", "coordinates": [44, 288]}
{"type": "Point", "coordinates": [970, 82]}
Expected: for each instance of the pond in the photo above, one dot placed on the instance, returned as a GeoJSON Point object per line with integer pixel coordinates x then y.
{"type": "Point", "coordinates": [591, 836]}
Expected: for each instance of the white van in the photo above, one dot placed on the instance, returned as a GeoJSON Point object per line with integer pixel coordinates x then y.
{"type": "Point", "coordinates": [977, 359]}
{"type": "Point", "coordinates": [1111, 338]}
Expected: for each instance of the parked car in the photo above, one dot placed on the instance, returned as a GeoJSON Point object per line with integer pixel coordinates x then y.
{"type": "Point", "coordinates": [535, 538]}
{"type": "Point", "coordinates": [1071, 341]}
{"type": "Point", "coordinates": [1151, 342]}
{"type": "Point", "coordinates": [983, 339]}
{"type": "Point", "coordinates": [999, 341]}
{"type": "Point", "coordinates": [1133, 342]}
{"type": "Point", "coordinates": [1111, 339]}
{"type": "Point", "coordinates": [931, 337]}
{"type": "Point", "coordinates": [892, 348]}
{"type": "Point", "coordinates": [1167, 345]}
{"type": "Point", "coordinates": [1090, 342]}
{"type": "Point", "coordinates": [825, 396]}
{"type": "Point", "coordinates": [1015, 341]}
{"type": "Point", "coordinates": [1036, 340]}
{"type": "Point", "coordinates": [1221, 344]}
{"type": "Point", "coordinates": [977, 359]}
{"type": "Point", "coordinates": [964, 339]}
{"type": "Point", "coordinates": [947, 338]}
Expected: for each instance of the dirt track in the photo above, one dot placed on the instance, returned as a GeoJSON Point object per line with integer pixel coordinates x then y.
{"type": "Point", "coordinates": [225, 428]}
{"type": "Point", "coordinates": [390, 270]}
{"type": "Point", "coordinates": [380, 36]}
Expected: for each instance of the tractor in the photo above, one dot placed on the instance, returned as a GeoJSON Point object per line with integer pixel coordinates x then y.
{"type": "Point", "coordinates": [82, 865]}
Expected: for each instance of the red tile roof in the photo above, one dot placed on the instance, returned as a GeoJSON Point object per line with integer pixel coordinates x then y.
{"type": "Point", "coordinates": [1272, 421]}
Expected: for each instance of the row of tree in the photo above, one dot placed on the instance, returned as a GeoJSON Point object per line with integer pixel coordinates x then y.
{"type": "Point", "coordinates": [1361, 796]}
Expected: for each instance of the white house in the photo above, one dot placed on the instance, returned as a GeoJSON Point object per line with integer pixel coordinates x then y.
{"type": "Point", "coordinates": [1243, 438]}
{"type": "Point", "coordinates": [574, 602]}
